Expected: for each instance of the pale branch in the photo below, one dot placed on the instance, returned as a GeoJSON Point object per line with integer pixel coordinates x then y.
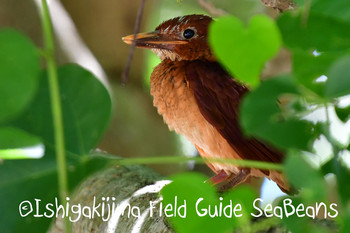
{"type": "Point", "coordinates": [211, 9]}
{"type": "Point", "coordinates": [281, 5]}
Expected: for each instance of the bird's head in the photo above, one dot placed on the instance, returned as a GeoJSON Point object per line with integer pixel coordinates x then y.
{"type": "Point", "coordinates": [180, 38]}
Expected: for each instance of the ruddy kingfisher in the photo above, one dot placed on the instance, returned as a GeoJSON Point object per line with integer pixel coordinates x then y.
{"type": "Point", "coordinates": [200, 100]}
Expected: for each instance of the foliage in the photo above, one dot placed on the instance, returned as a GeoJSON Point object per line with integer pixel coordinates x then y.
{"type": "Point", "coordinates": [274, 111]}
{"type": "Point", "coordinates": [212, 219]}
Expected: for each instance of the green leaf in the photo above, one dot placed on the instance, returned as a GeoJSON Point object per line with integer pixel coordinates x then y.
{"type": "Point", "coordinates": [338, 83]}
{"type": "Point", "coordinates": [310, 35]}
{"type": "Point", "coordinates": [23, 180]}
{"type": "Point", "coordinates": [307, 68]}
{"type": "Point", "coordinates": [86, 109]}
{"type": "Point", "coordinates": [19, 69]}
{"type": "Point", "coordinates": [327, 167]}
{"type": "Point", "coordinates": [343, 113]}
{"type": "Point", "coordinates": [190, 187]}
{"type": "Point", "coordinates": [293, 222]}
{"type": "Point", "coordinates": [338, 9]}
{"type": "Point", "coordinates": [306, 177]}
{"type": "Point", "coordinates": [11, 137]}
{"type": "Point", "coordinates": [13, 142]}
{"type": "Point", "coordinates": [301, 224]}
{"type": "Point", "coordinates": [244, 51]}
{"type": "Point", "coordinates": [261, 116]}
{"type": "Point", "coordinates": [299, 3]}
{"type": "Point", "coordinates": [342, 173]}
{"type": "Point", "coordinates": [245, 196]}
{"type": "Point", "coordinates": [345, 220]}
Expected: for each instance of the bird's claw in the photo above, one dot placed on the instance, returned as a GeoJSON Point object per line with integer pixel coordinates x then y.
{"type": "Point", "coordinates": [218, 178]}
{"type": "Point", "coordinates": [235, 180]}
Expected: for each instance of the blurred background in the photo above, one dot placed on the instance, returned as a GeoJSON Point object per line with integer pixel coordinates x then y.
{"type": "Point", "coordinates": [89, 32]}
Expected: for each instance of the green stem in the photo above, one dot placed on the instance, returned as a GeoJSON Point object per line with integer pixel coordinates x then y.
{"type": "Point", "coordinates": [55, 105]}
{"type": "Point", "coordinates": [183, 159]}
{"type": "Point", "coordinates": [336, 146]}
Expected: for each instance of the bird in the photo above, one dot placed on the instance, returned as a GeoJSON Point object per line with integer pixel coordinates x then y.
{"type": "Point", "coordinates": [199, 99]}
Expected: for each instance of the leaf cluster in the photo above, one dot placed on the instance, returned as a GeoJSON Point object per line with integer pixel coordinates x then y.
{"type": "Point", "coordinates": [26, 128]}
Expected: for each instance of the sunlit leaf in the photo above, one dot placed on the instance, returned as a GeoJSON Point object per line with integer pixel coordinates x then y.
{"type": "Point", "coordinates": [190, 187]}
{"type": "Point", "coordinates": [244, 50]}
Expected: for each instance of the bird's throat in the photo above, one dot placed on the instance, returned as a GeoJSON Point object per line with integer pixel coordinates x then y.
{"type": "Point", "coordinates": [167, 54]}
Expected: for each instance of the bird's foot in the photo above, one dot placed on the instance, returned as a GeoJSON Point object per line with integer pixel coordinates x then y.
{"type": "Point", "coordinates": [235, 180]}
{"type": "Point", "coordinates": [220, 177]}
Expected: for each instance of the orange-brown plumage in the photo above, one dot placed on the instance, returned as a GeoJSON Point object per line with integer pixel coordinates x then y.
{"type": "Point", "coordinates": [198, 98]}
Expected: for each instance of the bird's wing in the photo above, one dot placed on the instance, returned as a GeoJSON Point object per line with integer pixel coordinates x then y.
{"type": "Point", "coordinates": [218, 97]}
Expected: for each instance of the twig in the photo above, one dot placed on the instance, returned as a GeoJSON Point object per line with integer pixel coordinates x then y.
{"type": "Point", "coordinates": [132, 49]}
{"type": "Point", "coordinates": [212, 10]}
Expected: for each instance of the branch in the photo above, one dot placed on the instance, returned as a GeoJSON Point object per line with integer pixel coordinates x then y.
{"type": "Point", "coordinates": [280, 5]}
{"type": "Point", "coordinates": [211, 9]}
{"type": "Point", "coordinates": [132, 48]}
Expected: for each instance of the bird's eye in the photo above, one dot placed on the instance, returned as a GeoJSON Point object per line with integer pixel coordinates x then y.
{"type": "Point", "coordinates": [188, 33]}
